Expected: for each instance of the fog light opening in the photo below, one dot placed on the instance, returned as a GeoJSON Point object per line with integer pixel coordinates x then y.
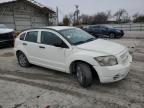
{"type": "Point", "coordinates": [116, 77]}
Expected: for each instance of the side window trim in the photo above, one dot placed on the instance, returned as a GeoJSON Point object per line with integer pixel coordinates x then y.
{"type": "Point", "coordinates": [25, 35]}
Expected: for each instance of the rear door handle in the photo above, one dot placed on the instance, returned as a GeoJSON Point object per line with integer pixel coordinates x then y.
{"type": "Point", "coordinates": [25, 44]}
{"type": "Point", "coordinates": [42, 47]}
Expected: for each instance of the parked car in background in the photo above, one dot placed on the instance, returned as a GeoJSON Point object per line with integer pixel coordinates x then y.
{"type": "Point", "coordinates": [104, 30]}
{"type": "Point", "coordinates": [6, 36]}
{"type": "Point", "coordinates": [72, 50]}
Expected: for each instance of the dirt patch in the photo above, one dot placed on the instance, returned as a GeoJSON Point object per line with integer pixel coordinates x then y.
{"type": "Point", "coordinates": [140, 50]}
{"type": "Point", "coordinates": [8, 54]}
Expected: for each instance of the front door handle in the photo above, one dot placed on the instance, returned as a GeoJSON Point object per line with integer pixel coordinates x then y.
{"type": "Point", "coordinates": [42, 47]}
{"type": "Point", "coordinates": [25, 44]}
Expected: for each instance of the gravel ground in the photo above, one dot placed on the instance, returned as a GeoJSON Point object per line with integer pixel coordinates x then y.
{"type": "Point", "coordinates": [38, 87]}
{"type": "Point", "coordinates": [134, 34]}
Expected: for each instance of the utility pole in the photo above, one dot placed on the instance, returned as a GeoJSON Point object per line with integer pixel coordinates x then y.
{"type": "Point", "coordinates": [76, 15]}
{"type": "Point", "coordinates": [57, 15]}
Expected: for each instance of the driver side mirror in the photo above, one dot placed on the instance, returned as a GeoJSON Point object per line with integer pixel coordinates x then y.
{"type": "Point", "coordinates": [61, 44]}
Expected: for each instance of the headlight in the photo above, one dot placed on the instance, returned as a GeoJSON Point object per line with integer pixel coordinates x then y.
{"type": "Point", "coordinates": [106, 60]}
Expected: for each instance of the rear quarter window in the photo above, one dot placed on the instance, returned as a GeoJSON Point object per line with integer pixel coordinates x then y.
{"type": "Point", "coordinates": [22, 36]}
{"type": "Point", "coordinates": [32, 36]}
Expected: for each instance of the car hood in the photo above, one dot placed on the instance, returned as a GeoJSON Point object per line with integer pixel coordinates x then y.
{"type": "Point", "coordinates": [5, 30]}
{"type": "Point", "coordinates": [102, 46]}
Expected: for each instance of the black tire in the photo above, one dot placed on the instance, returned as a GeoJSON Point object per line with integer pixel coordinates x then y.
{"type": "Point", "coordinates": [111, 35]}
{"type": "Point", "coordinates": [22, 59]}
{"type": "Point", "coordinates": [84, 74]}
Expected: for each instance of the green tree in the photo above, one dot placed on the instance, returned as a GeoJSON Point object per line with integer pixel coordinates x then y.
{"type": "Point", "coordinates": [66, 21]}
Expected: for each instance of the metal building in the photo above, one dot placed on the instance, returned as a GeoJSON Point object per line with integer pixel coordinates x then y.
{"type": "Point", "coordinates": [24, 14]}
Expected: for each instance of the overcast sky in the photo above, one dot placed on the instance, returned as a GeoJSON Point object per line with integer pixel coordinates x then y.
{"type": "Point", "coordinates": [93, 6]}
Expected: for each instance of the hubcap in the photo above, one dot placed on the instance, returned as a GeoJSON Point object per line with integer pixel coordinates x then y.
{"type": "Point", "coordinates": [79, 74]}
{"type": "Point", "coordinates": [22, 59]}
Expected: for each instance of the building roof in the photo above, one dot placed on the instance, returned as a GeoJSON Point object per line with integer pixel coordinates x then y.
{"type": "Point", "coordinates": [31, 2]}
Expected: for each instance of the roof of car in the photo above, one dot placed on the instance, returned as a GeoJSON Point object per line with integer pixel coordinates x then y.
{"type": "Point", "coordinates": [59, 27]}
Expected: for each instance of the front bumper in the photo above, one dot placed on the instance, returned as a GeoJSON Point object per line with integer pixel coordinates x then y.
{"type": "Point", "coordinates": [113, 73]}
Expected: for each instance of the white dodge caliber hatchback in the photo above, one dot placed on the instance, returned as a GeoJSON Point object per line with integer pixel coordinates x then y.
{"type": "Point", "coordinates": [72, 50]}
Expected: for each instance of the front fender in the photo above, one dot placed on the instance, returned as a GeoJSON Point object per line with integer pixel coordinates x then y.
{"type": "Point", "coordinates": [88, 58]}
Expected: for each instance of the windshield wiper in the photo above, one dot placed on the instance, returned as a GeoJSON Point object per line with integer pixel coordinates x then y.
{"type": "Point", "coordinates": [81, 42]}
{"type": "Point", "coordinates": [91, 39]}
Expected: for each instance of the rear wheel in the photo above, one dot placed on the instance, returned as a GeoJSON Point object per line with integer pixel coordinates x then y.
{"type": "Point", "coordinates": [22, 59]}
{"type": "Point", "coordinates": [84, 74]}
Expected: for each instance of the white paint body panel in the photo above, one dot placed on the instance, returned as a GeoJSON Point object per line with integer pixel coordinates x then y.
{"type": "Point", "coordinates": [61, 58]}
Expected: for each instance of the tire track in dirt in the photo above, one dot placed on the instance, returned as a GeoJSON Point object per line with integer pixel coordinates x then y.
{"type": "Point", "coordinates": [67, 91]}
{"type": "Point", "coordinates": [100, 89]}
{"type": "Point", "coordinates": [53, 78]}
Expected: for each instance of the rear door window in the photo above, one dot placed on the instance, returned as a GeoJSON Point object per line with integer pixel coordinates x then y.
{"type": "Point", "coordinates": [32, 36]}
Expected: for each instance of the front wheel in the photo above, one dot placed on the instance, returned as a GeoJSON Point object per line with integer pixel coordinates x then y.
{"type": "Point", "coordinates": [84, 74]}
{"type": "Point", "coordinates": [111, 35]}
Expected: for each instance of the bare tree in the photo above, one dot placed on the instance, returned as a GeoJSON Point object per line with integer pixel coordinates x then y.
{"type": "Point", "coordinates": [138, 18]}
{"type": "Point", "coordinates": [100, 18]}
{"type": "Point", "coordinates": [126, 18]}
{"type": "Point", "coordinates": [84, 19]}
{"type": "Point", "coordinates": [109, 14]}
{"type": "Point", "coordinates": [119, 15]}
{"type": "Point", "coordinates": [136, 15]}
{"type": "Point", "coordinates": [71, 17]}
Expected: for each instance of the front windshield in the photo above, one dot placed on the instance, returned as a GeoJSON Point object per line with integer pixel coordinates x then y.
{"type": "Point", "coordinates": [76, 36]}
